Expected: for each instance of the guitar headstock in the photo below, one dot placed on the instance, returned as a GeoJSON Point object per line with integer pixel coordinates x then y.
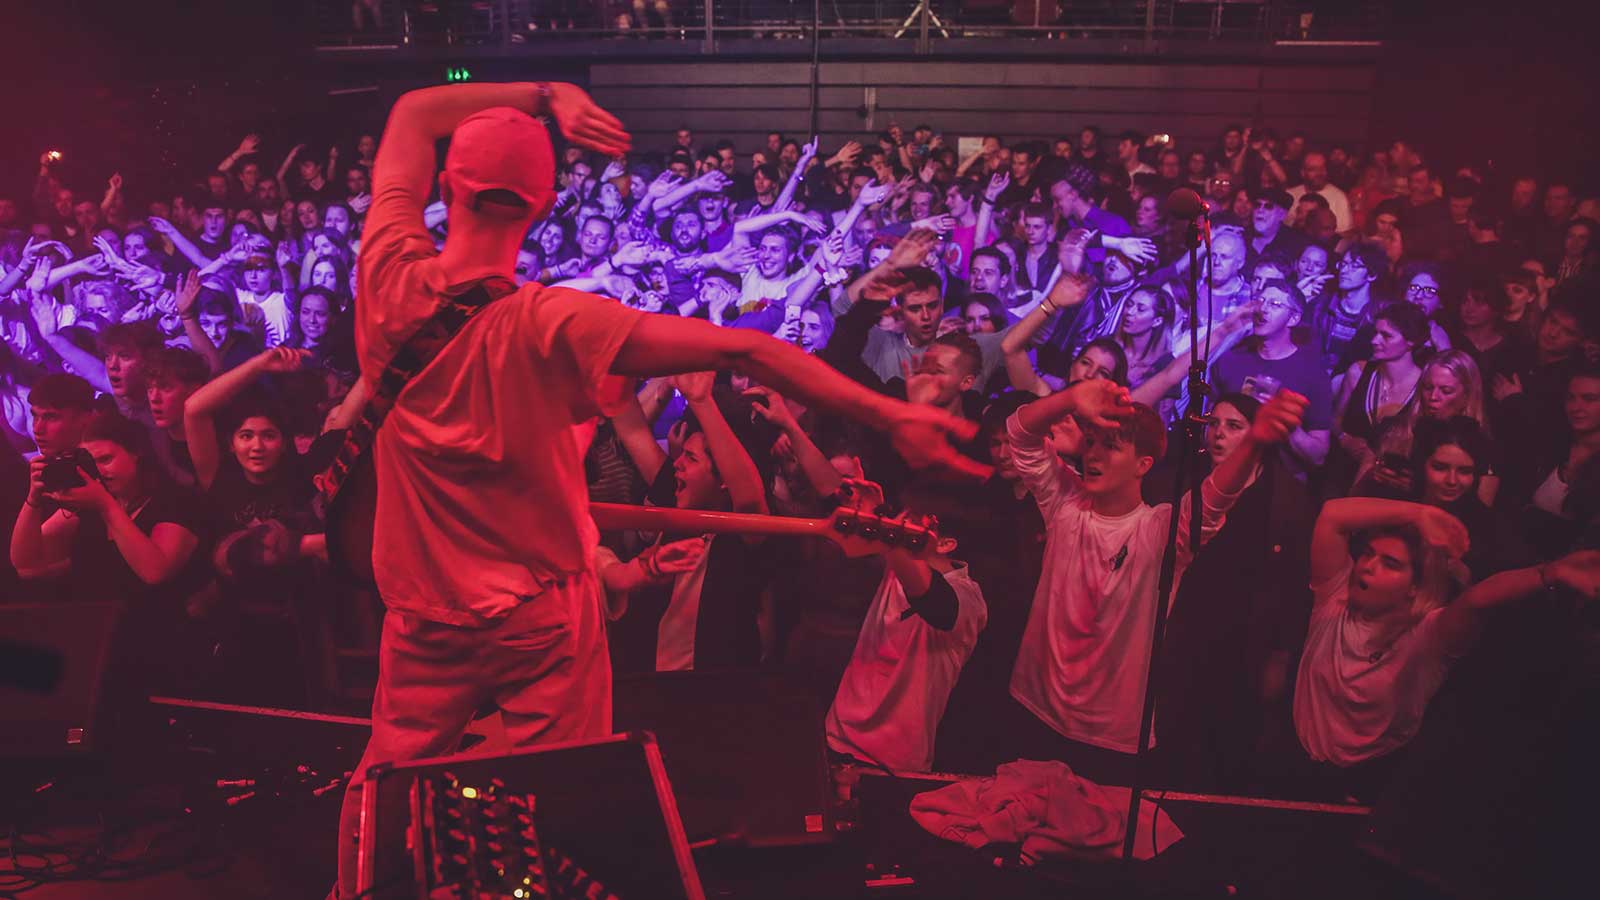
{"type": "Point", "coordinates": [861, 533]}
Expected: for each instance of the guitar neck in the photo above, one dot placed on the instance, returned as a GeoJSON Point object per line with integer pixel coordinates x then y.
{"type": "Point", "coordinates": [611, 516]}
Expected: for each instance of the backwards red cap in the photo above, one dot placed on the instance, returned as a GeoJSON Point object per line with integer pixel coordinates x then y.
{"type": "Point", "coordinates": [505, 149]}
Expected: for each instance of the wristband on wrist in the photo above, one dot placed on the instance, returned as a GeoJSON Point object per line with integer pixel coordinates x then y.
{"type": "Point", "coordinates": [1048, 307]}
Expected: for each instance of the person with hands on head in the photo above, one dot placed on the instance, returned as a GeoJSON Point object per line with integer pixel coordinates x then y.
{"type": "Point", "coordinates": [1382, 636]}
{"type": "Point", "coordinates": [1081, 671]}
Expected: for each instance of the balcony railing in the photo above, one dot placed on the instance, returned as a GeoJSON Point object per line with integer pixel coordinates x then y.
{"type": "Point", "coordinates": [924, 26]}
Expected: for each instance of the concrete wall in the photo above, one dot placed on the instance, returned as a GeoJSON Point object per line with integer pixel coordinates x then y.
{"type": "Point", "coordinates": [1192, 102]}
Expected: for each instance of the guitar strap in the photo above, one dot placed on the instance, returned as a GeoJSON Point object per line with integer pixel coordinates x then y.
{"type": "Point", "coordinates": [421, 349]}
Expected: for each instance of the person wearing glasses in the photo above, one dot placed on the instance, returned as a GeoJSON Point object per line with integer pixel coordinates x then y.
{"type": "Point", "coordinates": [1344, 320]}
{"type": "Point", "coordinates": [1424, 288]}
{"type": "Point", "coordinates": [1269, 210]}
{"type": "Point", "coordinates": [1269, 359]}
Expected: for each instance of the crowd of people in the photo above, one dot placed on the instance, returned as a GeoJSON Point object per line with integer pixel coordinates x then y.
{"type": "Point", "coordinates": [1400, 436]}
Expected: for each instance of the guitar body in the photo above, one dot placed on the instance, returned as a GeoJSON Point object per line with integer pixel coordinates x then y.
{"type": "Point", "coordinates": [351, 520]}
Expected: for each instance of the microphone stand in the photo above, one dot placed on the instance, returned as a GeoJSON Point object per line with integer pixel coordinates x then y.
{"type": "Point", "coordinates": [1189, 446]}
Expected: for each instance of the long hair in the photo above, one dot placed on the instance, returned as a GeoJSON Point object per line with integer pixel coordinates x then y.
{"type": "Point", "coordinates": [1160, 333]}
{"type": "Point", "coordinates": [1399, 434]}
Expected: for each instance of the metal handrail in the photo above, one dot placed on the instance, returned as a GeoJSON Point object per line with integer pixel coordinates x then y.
{"type": "Point", "coordinates": [487, 23]}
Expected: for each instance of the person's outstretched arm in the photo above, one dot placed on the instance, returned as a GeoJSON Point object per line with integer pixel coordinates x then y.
{"type": "Point", "coordinates": [659, 345]}
{"type": "Point", "coordinates": [1578, 571]}
{"type": "Point", "coordinates": [201, 409]}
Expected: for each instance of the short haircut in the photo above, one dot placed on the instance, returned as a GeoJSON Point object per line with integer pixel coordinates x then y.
{"type": "Point", "coordinates": [1003, 261]}
{"type": "Point", "coordinates": [142, 338]}
{"type": "Point", "coordinates": [1289, 289]}
{"type": "Point", "coordinates": [920, 279]}
{"type": "Point", "coordinates": [1314, 199]}
{"type": "Point", "coordinates": [59, 390]}
{"type": "Point", "coordinates": [1372, 257]}
{"type": "Point", "coordinates": [176, 364]}
{"type": "Point", "coordinates": [1036, 211]}
{"type": "Point", "coordinates": [966, 347]}
{"type": "Point", "coordinates": [722, 275]}
{"type": "Point", "coordinates": [1145, 430]}
{"type": "Point", "coordinates": [214, 302]}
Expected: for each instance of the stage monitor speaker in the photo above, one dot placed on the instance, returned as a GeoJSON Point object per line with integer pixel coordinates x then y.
{"type": "Point", "coordinates": [69, 714]}
{"type": "Point", "coordinates": [605, 807]}
{"type": "Point", "coordinates": [745, 750]}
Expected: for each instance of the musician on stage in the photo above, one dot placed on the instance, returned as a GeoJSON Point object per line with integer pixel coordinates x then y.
{"type": "Point", "coordinates": [484, 547]}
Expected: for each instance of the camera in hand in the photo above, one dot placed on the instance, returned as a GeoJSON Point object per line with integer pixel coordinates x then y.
{"type": "Point", "coordinates": [62, 472]}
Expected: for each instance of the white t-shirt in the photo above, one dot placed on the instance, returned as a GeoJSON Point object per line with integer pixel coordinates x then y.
{"type": "Point", "coordinates": [274, 309]}
{"type": "Point", "coordinates": [1551, 495]}
{"type": "Point", "coordinates": [675, 635]}
{"type": "Point", "coordinates": [1085, 652]}
{"type": "Point", "coordinates": [1359, 695]}
{"type": "Point", "coordinates": [756, 288]}
{"type": "Point", "coordinates": [1337, 202]}
{"type": "Point", "coordinates": [894, 691]}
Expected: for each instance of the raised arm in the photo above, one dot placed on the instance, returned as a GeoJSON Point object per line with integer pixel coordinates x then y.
{"type": "Point", "coordinates": [1098, 403]}
{"type": "Point", "coordinates": [1069, 291]}
{"type": "Point", "coordinates": [633, 430]}
{"type": "Point", "coordinates": [1274, 422]}
{"type": "Point", "coordinates": [422, 117]}
{"type": "Point", "coordinates": [669, 344]}
{"type": "Point", "coordinates": [247, 146]}
{"type": "Point", "coordinates": [1578, 571]}
{"type": "Point", "coordinates": [997, 185]}
{"type": "Point", "coordinates": [179, 241]}
{"type": "Point", "coordinates": [710, 181]}
{"type": "Point", "coordinates": [1342, 518]}
{"type": "Point", "coordinates": [786, 196]}
{"type": "Point", "coordinates": [820, 473]}
{"type": "Point", "coordinates": [200, 410]}
{"type": "Point", "coordinates": [738, 470]}
{"type": "Point", "coordinates": [187, 293]}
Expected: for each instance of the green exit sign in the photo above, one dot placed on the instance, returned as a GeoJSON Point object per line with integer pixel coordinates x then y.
{"type": "Point", "coordinates": [456, 73]}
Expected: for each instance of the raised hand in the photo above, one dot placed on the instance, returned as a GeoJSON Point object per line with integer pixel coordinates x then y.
{"type": "Point", "coordinates": [808, 152]}
{"type": "Point", "coordinates": [663, 185]}
{"type": "Point", "coordinates": [922, 435]}
{"type": "Point", "coordinates": [1503, 387]}
{"type": "Point", "coordinates": [162, 226]}
{"type": "Point", "coordinates": [847, 154]}
{"type": "Point", "coordinates": [874, 193]}
{"type": "Point", "coordinates": [584, 123]}
{"type": "Point", "coordinates": [774, 410]}
{"type": "Point", "coordinates": [912, 250]}
{"type": "Point", "coordinates": [114, 183]}
{"type": "Point", "coordinates": [713, 180]}
{"type": "Point", "coordinates": [833, 247]}
{"type": "Point", "coordinates": [1101, 403]}
{"type": "Point", "coordinates": [997, 186]}
{"type": "Point", "coordinates": [804, 221]}
{"type": "Point", "coordinates": [282, 359]}
{"type": "Point", "coordinates": [1139, 250]}
{"type": "Point", "coordinates": [1311, 285]}
{"type": "Point", "coordinates": [186, 294]}
{"type": "Point", "coordinates": [925, 175]}
{"type": "Point", "coordinates": [1278, 417]}
{"type": "Point", "coordinates": [284, 255]}
{"type": "Point", "coordinates": [360, 203]}
{"type": "Point", "coordinates": [631, 254]}
{"type": "Point", "coordinates": [885, 287]}
{"type": "Point", "coordinates": [44, 314]}
{"type": "Point", "coordinates": [612, 170]}
{"type": "Point", "coordinates": [694, 386]}
{"type": "Point", "coordinates": [1071, 289]}
{"type": "Point", "coordinates": [942, 224]}
{"type": "Point", "coordinates": [1442, 530]}
{"type": "Point", "coordinates": [250, 143]}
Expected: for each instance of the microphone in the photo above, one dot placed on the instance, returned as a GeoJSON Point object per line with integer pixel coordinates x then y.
{"type": "Point", "coordinates": [1184, 203]}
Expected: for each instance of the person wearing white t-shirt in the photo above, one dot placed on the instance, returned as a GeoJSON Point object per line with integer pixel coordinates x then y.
{"type": "Point", "coordinates": [258, 292]}
{"type": "Point", "coordinates": [1085, 653]}
{"type": "Point", "coordinates": [1314, 169]}
{"type": "Point", "coordinates": [919, 631]}
{"type": "Point", "coordinates": [1382, 638]}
